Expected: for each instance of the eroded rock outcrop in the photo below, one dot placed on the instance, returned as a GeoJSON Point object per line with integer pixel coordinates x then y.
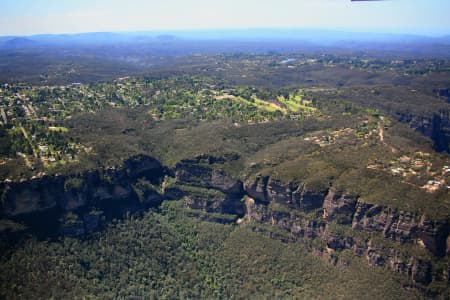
{"type": "Point", "coordinates": [219, 192]}
{"type": "Point", "coordinates": [214, 203]}
{"type": "Point", "coordinates": [434, 234]}
{"type": "Point", "coordinates": [111, 191]}
{"type": "Point", "coordinates": [339, 207]}
{"type": "Point", "coordinates": [436, 127]}
{"type": "Point", "coordinates": [267, 189]}
{"type": "Point", "coordinates": [400, 226]}
{"type": "Point", "coordinates": [257, 188]}
{"type": "Point", "coordinates": [30, 196]}
{"type": "Point", "coordinates": [203, 175]}
{"type": "Point", "coordinates": [272, 202]}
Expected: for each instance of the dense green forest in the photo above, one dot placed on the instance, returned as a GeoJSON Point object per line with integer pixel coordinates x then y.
{"type": "Point", "coordinates": [169, 255]}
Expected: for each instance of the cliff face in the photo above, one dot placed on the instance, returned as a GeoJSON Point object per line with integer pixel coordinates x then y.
{"type": "Point", "coordinates": [35, 195]}
{"type": "Point", "coordinates": [361, 227]}
{"type": "Point", "coordinates": [444, 93]}
{"type": "Point", "coordinates": [401, 226]}
{"type": "Point", "coordinates": [265, 189]}
{"type": "Point", "coordinates": [188, 172]}
{"type": "Point", "coordinates": [339, 207]}
{"type": "Point", "coordinates": [329, 221]}
{"type": "Point", "coordinates": [226, 191]}
{"type": "Point", "coordinates": [110, 191]}
{"type": "Point", "coordinates": [419, 270]}
{"type": "Point", "coordinates": [436, 127]}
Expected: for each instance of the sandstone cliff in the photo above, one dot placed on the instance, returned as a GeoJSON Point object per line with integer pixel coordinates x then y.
{"type": "Point", "coordinates": [329, 221]}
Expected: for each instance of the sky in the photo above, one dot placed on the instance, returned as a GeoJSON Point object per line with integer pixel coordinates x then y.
{"type": "Point", "coordinates": [27, 17]}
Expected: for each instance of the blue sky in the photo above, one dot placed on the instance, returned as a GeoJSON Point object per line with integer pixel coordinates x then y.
{"type": "Point", "coordinates": [24, 17]}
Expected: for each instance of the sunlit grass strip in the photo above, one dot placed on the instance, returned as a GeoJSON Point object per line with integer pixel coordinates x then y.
{"type": "Point", "coordinates": [58, 128]}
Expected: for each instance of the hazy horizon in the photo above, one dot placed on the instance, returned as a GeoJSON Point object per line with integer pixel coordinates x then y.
{"type": "Point", "coordinates": [419, 17]}
{"type": "Point", "coordinates": [214, 31]}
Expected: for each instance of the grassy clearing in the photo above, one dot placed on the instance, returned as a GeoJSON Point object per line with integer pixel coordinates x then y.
{"type": "Point", "coordinates": [268, 106]}
{"type": "Point", "coordinates": [296, 103]}
{"type": "Point", "coordinates": [58, 128]}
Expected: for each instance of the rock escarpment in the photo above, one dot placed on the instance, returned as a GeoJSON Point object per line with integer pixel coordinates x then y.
{"type": "Point", "coordinates": [266, 189]}
{"type": "Point", "coordinates": [444, 93]}
{"type": "Point", "coordinates": [390, 223]}
{"type": "Point", "coordinates": [328, 221]}
{"type": "Point", "coordinates": [405, 242]}
{"type": "Point", "coordinates": [217, 193]}
{"type": "Point", "coordinates": [198, 172]}
{"type": "Point", "coordinates": [75, 205]}
{"type": "Point", "coordinates": [435, 127]}
{"type": "Point", "coordinates": [78, 205]}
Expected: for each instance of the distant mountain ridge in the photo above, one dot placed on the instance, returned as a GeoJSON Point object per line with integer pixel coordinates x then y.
{"type": "Point", "coordinates": [18, 42]}
{"type": "Point", "coordinates": [314, 36]}
{"type": "Point", "coordinates": [100, 55]}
